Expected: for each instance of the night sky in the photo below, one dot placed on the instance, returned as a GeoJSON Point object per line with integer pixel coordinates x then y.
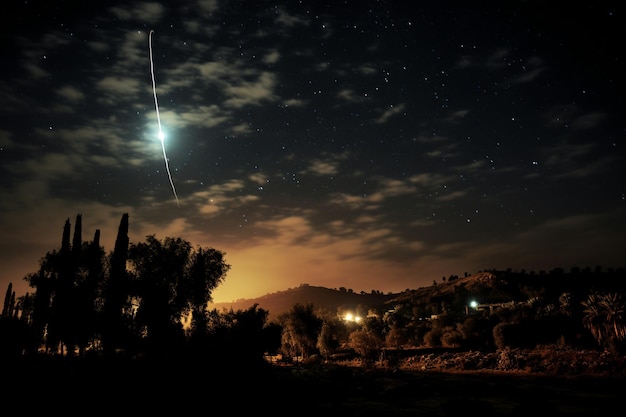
{"type": "Point", "coordinates": [371, 145]}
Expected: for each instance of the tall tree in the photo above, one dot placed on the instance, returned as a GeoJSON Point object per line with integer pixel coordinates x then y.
{"type": "Point", "coordinates": [55, 310]}
{"type": "Point", "coordinates": [208, 269]}
{"type": "Point", "coordinates": [160, 267]}
{"type": "Point", "coordinates": [301, 329]}
{"type": "Point", "coordinates": [173, 280]}
{"type": "Point", "coordinates": [59, 325]}
{"type": "Point", "coordinates": [7, 308]}
{"type": "Point", "coordinates": [43, 282]}
{"type": "Point", "coordinates": [116, 299]}
{"type": "Point", "coordinates": [327, 341]}
{"type": "Point", "coordinates": [25, 303]}
{"type": "Point", "coordinates": [89, 276]}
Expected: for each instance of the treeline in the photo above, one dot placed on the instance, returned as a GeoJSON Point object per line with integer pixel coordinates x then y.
{"type": "Point", "coordinates": [146, 298]}
{"type": "Point", "coordinates": [150, 299]}
{"type": "Point", "coordinates": [513, 312]}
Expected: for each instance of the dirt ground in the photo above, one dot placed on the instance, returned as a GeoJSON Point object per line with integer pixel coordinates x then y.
{"type": "Point", "coordinates": [422, 386]}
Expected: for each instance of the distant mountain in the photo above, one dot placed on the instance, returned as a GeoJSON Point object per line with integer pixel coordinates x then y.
{"type": "Point", "coordinates": [323, 299]}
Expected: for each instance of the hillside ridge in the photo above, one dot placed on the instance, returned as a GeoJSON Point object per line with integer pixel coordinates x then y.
{"type": "Point", "coordinates": [340, 300]}
{"type": "Point", "coordinates": [492, 286]}
{"type": "Point", "coordinates": [323, 300]}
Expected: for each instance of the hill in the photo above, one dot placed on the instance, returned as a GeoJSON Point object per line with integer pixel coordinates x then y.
{"type": "Point", "coordinates": [477, 283]}
{"type": "Point", "coordinates": [334, 301]}
{"type": "Point", "coordinates": [483, 287]}
{"type": "Point", "coordinates": [324, 300]}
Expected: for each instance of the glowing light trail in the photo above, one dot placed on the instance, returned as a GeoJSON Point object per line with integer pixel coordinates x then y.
{"type": "Point", "coordinates": [156, 106]}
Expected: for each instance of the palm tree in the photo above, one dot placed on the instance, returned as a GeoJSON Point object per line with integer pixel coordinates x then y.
{"type": "Point", "coordinates": [604, 317]}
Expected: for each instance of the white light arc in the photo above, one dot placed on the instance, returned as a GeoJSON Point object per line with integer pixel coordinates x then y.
{"type": "Point", "coordinates": [156, 106]}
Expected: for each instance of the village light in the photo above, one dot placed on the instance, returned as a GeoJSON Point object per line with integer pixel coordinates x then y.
{"type": "Point", "coordinates": [473, 304]}
{"type": "Point", "coordinates": [352, 317]}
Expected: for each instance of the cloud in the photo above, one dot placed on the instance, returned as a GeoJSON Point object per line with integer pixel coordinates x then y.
{"type": "Point", "coordinates": [35, 70]}
{"type": "Point", "coordinates": [528, 76]}
{"type": "Point", "coordinates": [457, 116]}
{"type": "Point", "coordinates": [322, 168]}
{"type": "Point", "coordinates": [288, 20]}
{"type": "Point", "coordinates": [221, 198]}
{"type": "Point", "coordinates": [116, 89]}
{"type": "Point", "coordinates": [564, 153]}
{"type": "Point", "coordinates": [272, 57]}
{"type": "Point", "coordinates": [351, 96]}
{"type": "Point", "coordinates": [207, 7]}
{"type": "Point", "coordinates": [430, 180]}
{"type": "Point", "coordinates": [390, 112]}
{"type": "Point", "coordinates": [143, 12]}
{"type": "Point", "coordinates": [589, 121]}
{"type": "Point", "coordinates": [259, 178]}
{"type": "Point", "coordinates": [455, 195]}
{"type": "Point", "coordinates": [251, 92]}
{"type": "Point", "coordinates": [207, 116]}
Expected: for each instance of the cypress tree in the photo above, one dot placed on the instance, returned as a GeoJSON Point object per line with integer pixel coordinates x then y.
{"type": "Point", "coordinates": [115, 292]}
{"type": "Point", "coordinates": [60, 268]}
{"type": "Point", "coordinates": [7, 300]}
{"type": "Point", "coordinates": [65, 241]}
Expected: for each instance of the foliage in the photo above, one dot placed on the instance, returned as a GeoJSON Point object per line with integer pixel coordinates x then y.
{"type": "Point", "coordinates": [366, 343]}
{"type": "Point", "coordinates": [133, 300]}
{"type": "Point", "coordinates": [604, 317]}
{"type": "Point", "coordinates": [301, 328]}
{"type": "Point", "coordinates": [151, 297]}
{"type": "Point", "coordinates": [327, 342]}
{"type": "Point", "coordinates": [243, 336]}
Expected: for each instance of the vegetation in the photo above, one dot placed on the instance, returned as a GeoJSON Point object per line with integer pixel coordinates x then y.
{"type": "Point", "coordinates": [146, 298]}
{"type": "Point", "coordinates": [147, 302]}
{"type": "Point", "coordinates": [150, 298]}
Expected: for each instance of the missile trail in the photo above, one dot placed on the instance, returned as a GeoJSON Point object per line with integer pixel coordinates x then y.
{"type": "Point", "coordinates": [156, 106]}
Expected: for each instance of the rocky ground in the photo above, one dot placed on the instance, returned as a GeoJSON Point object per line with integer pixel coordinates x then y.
{"type": "Point", "coordinates": [549, 361]}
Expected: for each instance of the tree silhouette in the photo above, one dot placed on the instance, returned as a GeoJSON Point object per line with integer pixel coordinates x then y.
{"type": "Point", "coordinates": [604, 317]}
{"type": "Point", "coordinates": [9, 302]}
{"type": "Point", "coordinates": [61, 318]}
{"type": "Point", "coordinates": [246, 340]}
{"type": "Point", "coordinates": [301, 328]}
{"type": "Point", "coordinates": [43, 282]}
{"type": "Point", "coordinates": [89, 277]}
{"type": "Point", "coordinates": [159, 267]}
{"type": "Point", "coordinates": [63, 305]}
{"type": "Point", "coordinates": [152, 297]}
{"type": "Point", "coordinates": [327, 341]}
{"type": "Point", "coordinates": [366, 342]}
{"type": "Point", "coordinates": [84, 299]}
{"type": "Point", "coordinates": [207, 271]}
{"type": "Point", "coordinates": [13, 331]}
{"type": "Point", "coordinates": [171, 281]}
{"type": "Point", "coordinates": [116, 309]}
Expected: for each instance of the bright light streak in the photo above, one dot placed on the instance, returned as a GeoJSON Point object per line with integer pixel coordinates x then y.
{"type": "Point", "coordinates": [156, 106]}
